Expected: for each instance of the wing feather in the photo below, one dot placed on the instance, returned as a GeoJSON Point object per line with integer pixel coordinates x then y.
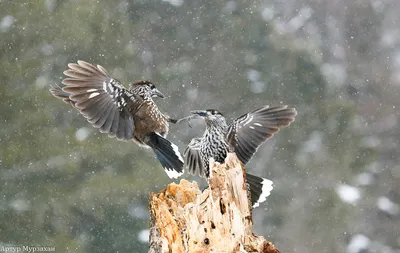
{"type": "Point", "coordinates": [249, 131]}
{"type": "Point", "coordinates": [101, 99]}
{"type": "Point", "coordinates": [193, 159]}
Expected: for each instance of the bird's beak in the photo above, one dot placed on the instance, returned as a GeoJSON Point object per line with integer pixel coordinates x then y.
{"type": "Point", "coordinates": [200, 113]}
{"type": "Point", "coordinates": [157, 93]}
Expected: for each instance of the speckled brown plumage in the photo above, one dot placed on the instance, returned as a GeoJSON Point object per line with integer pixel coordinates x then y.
{"type": "Point", "coordinates": [127, 114]}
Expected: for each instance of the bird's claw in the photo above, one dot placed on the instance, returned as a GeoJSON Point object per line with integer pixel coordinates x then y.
{"type": "Point", "coordinates": [188, 118]}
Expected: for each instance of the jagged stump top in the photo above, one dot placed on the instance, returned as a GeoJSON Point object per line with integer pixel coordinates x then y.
{"type": "Point", "coordinates": [219, 219]}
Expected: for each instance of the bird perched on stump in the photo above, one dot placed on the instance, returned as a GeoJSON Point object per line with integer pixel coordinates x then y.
{"type": "Point", "coordinates": [243, 136]}
{"type": "Point", "coordinates": [128, 114]}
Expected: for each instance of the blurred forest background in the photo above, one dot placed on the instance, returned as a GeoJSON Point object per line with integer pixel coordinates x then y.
{"type": "Point", "coordinates": [336, 169]}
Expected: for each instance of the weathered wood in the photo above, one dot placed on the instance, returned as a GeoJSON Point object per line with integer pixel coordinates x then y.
{"type": "Point", "coordinates": [219, 219]}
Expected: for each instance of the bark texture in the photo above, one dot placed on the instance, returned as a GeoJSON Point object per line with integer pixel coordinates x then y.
{"type": "Point", "coordinates": [219, 219]}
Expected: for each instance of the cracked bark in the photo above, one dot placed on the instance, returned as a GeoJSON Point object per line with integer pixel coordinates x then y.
{"type": "Point", "coordinates": [219, 219]}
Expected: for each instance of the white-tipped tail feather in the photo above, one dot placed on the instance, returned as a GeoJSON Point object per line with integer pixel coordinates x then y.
{"type": "Point", "coordinates": [172, 173]}
{"type": "Point", "coordinates": [167, 153]}
{"type": "Point", "coordinates": [260, 188]}
{"type": "Point", "coordinates": [265, 192]}
{"type": "Point", "coordinates": [177, 153]}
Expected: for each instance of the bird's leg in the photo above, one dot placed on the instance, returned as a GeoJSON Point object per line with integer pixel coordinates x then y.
{"type": "Point", "coordinates": [176, 121]}
{"type": "Point", "coordinates": [189, 123]}
{"type": "Point", "coordinates": [184, 118]}
{"type": "Point", "coordinates": [188, 118]}
{"type": "Point", "coordinates": [173, 121]}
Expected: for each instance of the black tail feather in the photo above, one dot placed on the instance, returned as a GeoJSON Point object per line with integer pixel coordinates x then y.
{"type": "Point", "coordinates": [260, 189]}
{"type": "Point", "coordinates": [168, 155]}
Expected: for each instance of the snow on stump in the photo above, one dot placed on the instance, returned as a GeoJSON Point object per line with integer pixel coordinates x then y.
{"type": "Point", "coordinates": [219, 219]}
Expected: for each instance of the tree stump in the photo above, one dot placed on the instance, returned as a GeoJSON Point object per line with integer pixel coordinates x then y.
{"type": "Point", "coordinates": [219, 219]}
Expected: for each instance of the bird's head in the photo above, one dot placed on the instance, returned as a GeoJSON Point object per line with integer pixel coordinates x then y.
{"type": "Point", "coordinates": [211, 116]}
{"type": "Point", "coordinates": [146, 89]}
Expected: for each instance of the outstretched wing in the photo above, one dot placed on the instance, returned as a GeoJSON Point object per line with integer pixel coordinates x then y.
{"type": "Point", "coordinates": [249, 131]}
{"type": "Point", "coordinates": [101, 99]}
{"type": "Point", "coordinates": [193, 160]}
{"type": "Point", "coordinates": [59, 93]}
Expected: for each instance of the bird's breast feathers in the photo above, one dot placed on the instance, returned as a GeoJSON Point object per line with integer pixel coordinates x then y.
{"type": "Point", "coordinates": [149, 119]}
